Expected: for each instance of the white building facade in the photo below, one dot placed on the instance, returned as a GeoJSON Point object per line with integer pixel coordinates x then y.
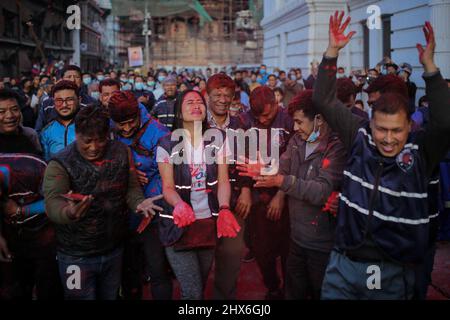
{"type": "Point", "coordinates": [296, 33]}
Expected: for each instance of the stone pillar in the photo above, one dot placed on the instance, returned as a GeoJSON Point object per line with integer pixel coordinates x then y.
{"type": "Point", "coordinates": [76, 58]}
{"type": "Point", "coordinates": [440, 20]}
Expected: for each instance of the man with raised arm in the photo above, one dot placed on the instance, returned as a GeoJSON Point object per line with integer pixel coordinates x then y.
{"type": "Point", "coordinates": [383, 217]}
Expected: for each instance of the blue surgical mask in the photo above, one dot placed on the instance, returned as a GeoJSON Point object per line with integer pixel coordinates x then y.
{"type": "Point", "coordinates": [260, 81]}
{"type": "Point", "coordinates": [126, 87]}
{"type": "Point", "coordinates": [139, 86]}
{"type": "Point", "coordinates": [262, 71]}
{"type": "Point", "coordinates": [131, 81]}
{"type": "Point", "coordinates": [87, 81]}
{"type": "Point", "coordinates": [151, 83]}
{"type": "Point", "coordinates": [95, 95]}
{"type": "Point", "coordinates": [161, 78]}
{"type": "Point", "coordinates": [314, 135]}
{"type": "Point", "coordinates": [123, 79]}
{"type": "Point", "coordinates": [100, 78]}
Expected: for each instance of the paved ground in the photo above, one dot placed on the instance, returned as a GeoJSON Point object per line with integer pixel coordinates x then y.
{"type": "Point", "coordinates": [250, 286]}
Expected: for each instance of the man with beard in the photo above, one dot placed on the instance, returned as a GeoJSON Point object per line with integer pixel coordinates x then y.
{"type": "Point", "coordinates": [164, 107]}
{"type": "Point", "coordinates": [59, 133]}
{"type": "Point", "coordinates": [141, 136]}
{"type": "Point", "coordinates": [220, 89]}
{"type": "Point", "coordinates": [47, 111]}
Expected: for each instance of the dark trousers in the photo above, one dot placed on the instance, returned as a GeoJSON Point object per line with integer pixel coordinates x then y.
{"type": "Point", "coordinates": [227, 264]}
{"type": "Point", "coordinates": [91, 278]}
{"type": "Point", "coordinates": [305, 271]}
{"type": "Point", "coordinates": [144, 255]}
{"type": "Point", "coordinates": [423, 274]}
{"type": "Point", "coordinates": [34, 265]}
{"type": "Point", "coordinates": [270, 240]}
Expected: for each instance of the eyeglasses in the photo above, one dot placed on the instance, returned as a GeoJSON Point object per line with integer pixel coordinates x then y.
{"type": "Point", "coordinates": [69, 101]}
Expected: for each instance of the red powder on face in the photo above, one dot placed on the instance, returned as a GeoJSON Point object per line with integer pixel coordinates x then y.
{"type": "Point", "coordinates": [325, 163]}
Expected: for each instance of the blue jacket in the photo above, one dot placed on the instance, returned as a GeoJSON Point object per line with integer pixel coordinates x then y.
{"type": "Point", "coordinates": [143, 148]}
{"type": "Point", "coordinates": [47, 111]}
{"type": "Point", "coordinates": [55, 136]}
{"type": "Point", "coordinates": [383, 206]}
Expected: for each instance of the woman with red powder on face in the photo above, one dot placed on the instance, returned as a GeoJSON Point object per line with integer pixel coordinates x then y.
{"type": "Point", "coordinates": [195, 190]}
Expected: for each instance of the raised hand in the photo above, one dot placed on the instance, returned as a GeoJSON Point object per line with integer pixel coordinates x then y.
{"type": "Point", "coordinates": [337, 38]}
{"type": "Point", "coordinates": [426, 56]}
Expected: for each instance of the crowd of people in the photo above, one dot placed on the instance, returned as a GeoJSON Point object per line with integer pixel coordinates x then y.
{"type": "Point", "coordinates": [90, 173]}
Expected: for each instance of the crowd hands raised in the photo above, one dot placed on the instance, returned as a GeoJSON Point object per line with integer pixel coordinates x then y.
{"type": "Point", "coordinates": [95, 183]}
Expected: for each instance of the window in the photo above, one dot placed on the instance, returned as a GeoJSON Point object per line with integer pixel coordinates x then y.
{"type": "Point", "coordinates": [366, 45]}
{"type": "Point", "coordinates": [11, 24]}
{"type": "Point", "coordinates": [386, 22]}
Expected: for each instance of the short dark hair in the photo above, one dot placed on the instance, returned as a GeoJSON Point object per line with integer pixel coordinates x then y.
{"type": "Point", "coordinates": [303, 102]}
{"type": "Point", "coordinates": [259, 98]}
{"type": "Point", "coordinates": [391, 103]}
{"type": "Point", "coordinates": [6, 94]}
{"type": "Point", "coordinates": [65, 85]}
{"type": "Point", "coordinates": [71, 67]}
{"type": "Point", "coordinates": [272, 75]}
{"type": "Point", "coordinates": [92, 121]}
{"type": "Point", "coordinates": [279, 90]}
{"type": "Point", "coordinates": [388, 83]}
{"type": "Point", "coordinates": [108, 83]}
{"type": "Point", "coordinates": [422, 99]}
{"type": "Point", "coordinates": [345, 89]}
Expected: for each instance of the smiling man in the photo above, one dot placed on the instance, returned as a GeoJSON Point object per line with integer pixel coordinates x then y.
{"type": "Point", "coordinates": [384, 223]}
{"type": "Point", "coordinates": [59, 133]}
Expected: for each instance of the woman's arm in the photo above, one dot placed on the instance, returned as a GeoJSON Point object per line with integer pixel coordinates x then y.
{"type": "Point", "coordinates": [168, 184]}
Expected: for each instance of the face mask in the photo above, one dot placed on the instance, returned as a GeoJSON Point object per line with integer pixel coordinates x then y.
{"type": "Point", "coordinates": [126, 87]}
{"type": "Point", "coordinates": [139, 86]}
{"type": "Point", "coordinates": [260, 81]}
{"type": "Point", "coordinates": [123, 80]}
{"type": "Point", "coordinates": [131, 81]}
{"type": "Point", "coordinates": [100, 78]}
{"type": "Point", "coordinates": [87, 81]}
{"type": "Point", "coordinates": [340, 75]}
{"type": "Point", "coordinates": [95, 95]}
{"type": "Point", "coordinates": [292, 77]}
{"type": "Point", "coordinates": [161, 78]}
{"type": "Point", "coordinates": [150, 83]}
{"type": "Point", "coordinates": [262, 71]}
{"type": "Point", "coordinates": [314, 135]}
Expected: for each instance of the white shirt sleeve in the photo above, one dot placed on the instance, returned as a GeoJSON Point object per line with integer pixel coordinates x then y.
{"type": "Point", "coordinates": [162, 156]}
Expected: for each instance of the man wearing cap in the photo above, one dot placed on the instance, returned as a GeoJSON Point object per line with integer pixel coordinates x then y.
{"type": "Point", "coordinates": [164, 107]}
{"type": "Point", "coordinates": [141, 135]}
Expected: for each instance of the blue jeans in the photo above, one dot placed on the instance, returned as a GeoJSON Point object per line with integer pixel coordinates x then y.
{"type": "Point", "coordinates": [346, 279]}
{"type": "Point", "coordinates": [91, 278]}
